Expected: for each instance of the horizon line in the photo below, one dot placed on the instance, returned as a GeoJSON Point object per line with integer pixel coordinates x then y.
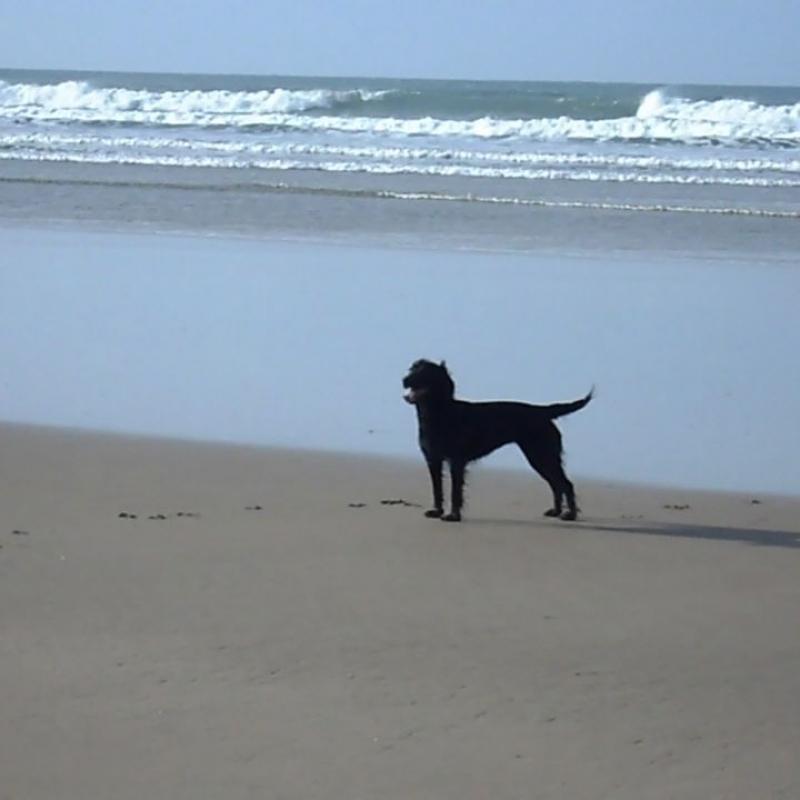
{"type": "Point", "coordinates": [329, 76]}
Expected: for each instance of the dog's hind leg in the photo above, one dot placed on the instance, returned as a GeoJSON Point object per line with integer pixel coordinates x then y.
{"type": "Point", "coordinates": [550, 468]}
{"type": "Point", "coordinates": [435, 468]}
{"type": "Point", "coordinates": [569, 490]}
{"type": "Point", "coordinates": [458, 471]}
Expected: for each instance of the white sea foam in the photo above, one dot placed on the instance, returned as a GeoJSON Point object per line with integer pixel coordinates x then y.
{"type": "Point", "coordinates": [659, 105]}
{"type": "Point", "coordinates": [81, 101]}
{"type": "Point", "coordinates": [604, 206]}
{"type": "Point", "coordinates": [659, 118]}
{"type": "Point", "coordinates": [727, 118]}
{"type": "Point", "coordinates": [249, 148]}
{"type": "Point", "coordinates": [688, 129]}
{"type": "Point", "coordinates": [393, 168]}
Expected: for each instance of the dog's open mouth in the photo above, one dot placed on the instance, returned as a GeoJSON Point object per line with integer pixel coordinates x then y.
{"type": "Point", "coordinates": [412, 395]}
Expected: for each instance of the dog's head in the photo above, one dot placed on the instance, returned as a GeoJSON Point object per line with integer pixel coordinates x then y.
{"type": "Point", "coordinates": [428, 380]}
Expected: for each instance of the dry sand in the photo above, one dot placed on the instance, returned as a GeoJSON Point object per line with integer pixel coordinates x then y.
{"type": "Point", "coordinates": [312, 649]}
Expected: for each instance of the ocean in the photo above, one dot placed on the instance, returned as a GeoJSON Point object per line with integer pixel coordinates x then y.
{"type": "Point", "coordinates": [710, 150]}
{"type": "Point", "coordinates": [541, 237]}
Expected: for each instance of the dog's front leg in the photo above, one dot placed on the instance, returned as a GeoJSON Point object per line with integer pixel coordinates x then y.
{"type": "Point", "coordinates": [435, 468]}
{"type": "Point", "coordinates": [457, 472]}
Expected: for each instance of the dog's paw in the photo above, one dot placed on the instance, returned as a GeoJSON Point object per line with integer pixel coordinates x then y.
{"type": "Point", "coordinates": [434, 512]}
{"type": "Point", "coordinates": [553, 512]}
{"type": "Point", "coordinates": [453, 516]}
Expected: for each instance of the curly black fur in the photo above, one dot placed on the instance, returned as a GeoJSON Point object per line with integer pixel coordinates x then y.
{"type": "Point", "coordinates": [459, 432]}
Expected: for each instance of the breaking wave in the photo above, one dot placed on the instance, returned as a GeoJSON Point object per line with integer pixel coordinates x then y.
{"type": "Point", "coordinates": [659, 119]}
{"type": "Point", "coordinates": [80, 101]}
{"type": "Point", "coordinates": [724, 119]}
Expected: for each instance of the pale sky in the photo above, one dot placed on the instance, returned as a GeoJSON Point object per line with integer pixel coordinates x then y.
{"type": "Point", "coordinates": [670, 41]}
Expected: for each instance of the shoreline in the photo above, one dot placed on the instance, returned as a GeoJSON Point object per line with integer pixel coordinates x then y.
{"type": "Point", "coordinates": [196, 338]}
{"type": "Point", "coordinates": [519, 477]}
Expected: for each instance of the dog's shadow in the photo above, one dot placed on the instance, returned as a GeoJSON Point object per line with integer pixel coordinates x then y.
{"type": "Point", "coordinates": [752, 536]}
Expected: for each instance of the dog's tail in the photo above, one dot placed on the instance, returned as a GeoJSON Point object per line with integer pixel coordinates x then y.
{"type": "Point", "coordinates": [562, 409]}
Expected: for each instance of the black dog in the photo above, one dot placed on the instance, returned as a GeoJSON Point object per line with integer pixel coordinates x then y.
{"type": "Point", "coordinates": [460, 432]}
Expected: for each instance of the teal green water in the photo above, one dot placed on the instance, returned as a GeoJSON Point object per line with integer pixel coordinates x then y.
{"type": "Point", "coordinates": [450, 99]}
{"type": "Point", "coordinates": [715, 149]}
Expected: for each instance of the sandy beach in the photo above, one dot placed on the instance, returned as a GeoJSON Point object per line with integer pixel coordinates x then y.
{"type": "Point", "coordinates": [221, 247]}
{"type": "Point", "coordinates": [233, 593]}
{"type": "Point", "coordinates": [286, 624]}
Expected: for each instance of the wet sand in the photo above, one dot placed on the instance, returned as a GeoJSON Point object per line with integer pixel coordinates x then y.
{"type": "Point", "coordinates": [202, 621]}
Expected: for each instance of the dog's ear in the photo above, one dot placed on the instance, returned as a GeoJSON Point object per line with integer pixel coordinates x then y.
{"type": "Point", "coordinates": [443, 365]}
